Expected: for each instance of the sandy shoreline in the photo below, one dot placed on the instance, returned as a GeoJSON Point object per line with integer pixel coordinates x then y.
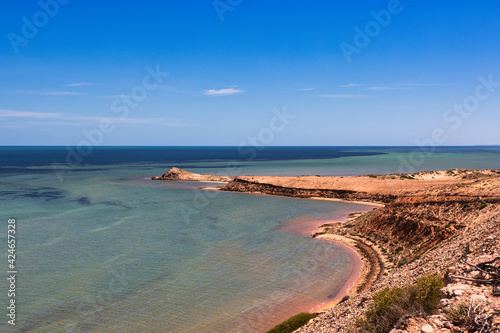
{"type": "Point", "coordinates": [370, 262]}
{"type": "Point", "coordinates": [349, 285]}
{"type": "Point", "coordinates": [371, 203]}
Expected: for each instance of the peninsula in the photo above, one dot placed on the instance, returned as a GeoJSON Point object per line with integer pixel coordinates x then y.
{"type": "Point", "coordinates": [442, 222]}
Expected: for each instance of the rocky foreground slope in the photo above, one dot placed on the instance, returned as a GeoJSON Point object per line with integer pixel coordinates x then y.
{"type": "Point", "coordinates": [454, 257]}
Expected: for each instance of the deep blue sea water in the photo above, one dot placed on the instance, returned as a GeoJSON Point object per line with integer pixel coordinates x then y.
{"type": "Point", "coordinates": [102, 248]}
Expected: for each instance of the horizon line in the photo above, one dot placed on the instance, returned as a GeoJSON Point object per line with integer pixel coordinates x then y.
{"type": "Point", "coordinates": [231, 146]}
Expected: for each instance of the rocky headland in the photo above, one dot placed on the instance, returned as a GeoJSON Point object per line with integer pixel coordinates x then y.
{"type": "Point", "coordinates": [176, 174]}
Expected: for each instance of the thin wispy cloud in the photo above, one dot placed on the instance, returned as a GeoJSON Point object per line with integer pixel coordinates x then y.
{"type": "Point", "coordinates": [116, 96]}
{"type": "Point", "coordinates": [307, 89]}
{"type": "Point", "coordinates": [422, 84]}
{"type": "Point", "coordinates": [79, 84]}
{"type": "Point", "coordinates": [342, 96]}
{"type": "Point", "coordinates": [49, 93]}
{"type": "Point", "coordinates": [47, 118]}
{"type": "Point", "coordinates": [134, 121]}
{"type": "Point", "coordinates": [382, 88]}
{"type": "Point", "coordinates": [223, 92]}
{"type": "Point", "coordinates": [402, 86]}
{"type": "Point", "coordinates": [388, 87]}
{"type": "Point", "coordinates": [26, 114]}
{"type": "Point", "coordinates": [63, 93]}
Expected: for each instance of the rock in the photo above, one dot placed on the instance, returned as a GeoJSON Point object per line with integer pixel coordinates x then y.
{"type": "Point", "coordinates": [427, 329]}
{"type": "Point", "coordinates": [176, 174]}
{"type": "Point", "coordinates": [444, 302]}
{"type": "Point", "coordinates": [476, 299]}
{"type": "Point", "coordinates": [437, 320]}
{"type": "Point", "coordinates": [476, 274]}
{"type": "Point", "coordinates": [455, 289]}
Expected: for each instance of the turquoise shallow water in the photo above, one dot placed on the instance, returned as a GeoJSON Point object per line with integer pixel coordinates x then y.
{"type": "Point", "coordinates": [108, 250]}
{"type": "Point", "coordinates": [115, 252]}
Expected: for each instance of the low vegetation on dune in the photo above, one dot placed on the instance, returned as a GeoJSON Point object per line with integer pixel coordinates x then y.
{"type": "Point", "coordinates": [293, 323]}
{"type": "Point", "coordinates": [390, 305]}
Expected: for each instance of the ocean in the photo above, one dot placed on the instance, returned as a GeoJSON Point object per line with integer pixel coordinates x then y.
{"type": "Point", "coordinates": [102, 248]}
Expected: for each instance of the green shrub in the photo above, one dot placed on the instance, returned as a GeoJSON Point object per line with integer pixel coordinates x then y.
{"type": "Point", "coordinates": [458, 314]}
{"type": "Point", "coordinates": [392, 304]}
{"type": "Point", "coordinates": [293, 323]}
{"type": "Point", "coordinates": [427, 294]}
{"type": "Point", "coordinates": [482, 206]}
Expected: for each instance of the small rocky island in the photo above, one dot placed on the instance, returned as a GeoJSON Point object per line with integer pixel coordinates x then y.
{"type": "Point", "coordinates": [176, 174]}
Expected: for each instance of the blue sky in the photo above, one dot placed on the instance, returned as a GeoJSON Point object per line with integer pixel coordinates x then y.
{"type": "Point", "coordinates": [233, 64]}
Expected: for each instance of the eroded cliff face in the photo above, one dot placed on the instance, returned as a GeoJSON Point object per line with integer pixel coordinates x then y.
{"type": "Point", "coordinates": [407, 230]}
{"type": "Point", "coordinates": [239, 184]}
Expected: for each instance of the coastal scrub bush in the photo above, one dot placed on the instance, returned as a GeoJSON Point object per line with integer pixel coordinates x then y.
{"type": "Point", "coordinates": [482, 206]}
{"type": "Point", "coordinates": [392, 304]}
{"type": "Point", "coordinates": [293, 323]}
{"type": "Point", "coordinates": [469, 317]}
{"type": "Point", "coordinates": [458, 314]}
